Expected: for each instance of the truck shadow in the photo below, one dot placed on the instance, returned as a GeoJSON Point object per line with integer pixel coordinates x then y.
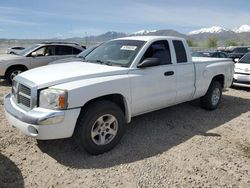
{"type": "Point", "coordinates": [10, 175]}
{"type": "Point", "coordinates": [151, 134]}
{"type": "Point", "coordinates": [241, 88]}
{"type": "Point", "coordinates": [4, 83]}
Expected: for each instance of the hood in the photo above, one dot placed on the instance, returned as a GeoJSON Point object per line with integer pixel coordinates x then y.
{"type": "Point", "coordinates": [51, 75]}
{"type": "Point", "coordinates": [242, 67]}
{"type": "Point", "coordinates": [7, 57]}
{"type": "Point", "coordinates": [66, 60]}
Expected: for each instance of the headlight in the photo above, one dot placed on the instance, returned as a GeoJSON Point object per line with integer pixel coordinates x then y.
{"type": "Point", "coordinates": [53, 99]}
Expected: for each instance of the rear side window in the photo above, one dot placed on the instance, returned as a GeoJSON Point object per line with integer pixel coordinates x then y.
{"type": "Point", "coordinates": [181, 55]}
{"type": "Point", "coordinates": [241, 50]}
{"type": "Point", "coordinates": [63, 50]}
{"type": "Point", "coordinates": [159, 49]}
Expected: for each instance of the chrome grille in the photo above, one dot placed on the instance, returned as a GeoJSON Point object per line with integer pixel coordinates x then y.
{"type": "Point", "coordinates": [22, 95]}
{"type": "Point", "coordinates": [25, 90]}
{"type": "Point", "coordinates": [23, 100]}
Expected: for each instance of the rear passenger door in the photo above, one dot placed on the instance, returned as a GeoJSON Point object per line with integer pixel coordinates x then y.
{"type": "Point", "coordinates": [154, 87]}
{"type": "Point", "coordinates": [185, 84]}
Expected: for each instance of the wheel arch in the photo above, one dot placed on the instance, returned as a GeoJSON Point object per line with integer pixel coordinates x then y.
{"type": "Point", "coordinates": [116, 98]}
{"type": "Point", "coordinates": [23, 67]}
{"type": "Point", "coordinates": [219, 78]}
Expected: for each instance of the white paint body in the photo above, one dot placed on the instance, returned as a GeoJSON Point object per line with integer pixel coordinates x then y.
{"type": "Point", "coordinates": [143, 89]}
{"type": "Point", "coordinates": [242, 74]}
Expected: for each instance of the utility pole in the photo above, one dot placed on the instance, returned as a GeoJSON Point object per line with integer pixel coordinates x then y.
{"type": "Point", "coordinates": [86, 38]}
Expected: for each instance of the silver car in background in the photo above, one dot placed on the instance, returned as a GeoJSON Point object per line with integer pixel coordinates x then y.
{"type": "Point", "coordinates": [35, 56]}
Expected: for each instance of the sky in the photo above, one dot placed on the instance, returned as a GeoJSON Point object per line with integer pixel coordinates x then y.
{"type": "Point", "coordinates": [80, 18]}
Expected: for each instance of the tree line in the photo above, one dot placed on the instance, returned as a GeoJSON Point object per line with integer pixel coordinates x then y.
{"type": "Point", "coordinates": [213, 42]}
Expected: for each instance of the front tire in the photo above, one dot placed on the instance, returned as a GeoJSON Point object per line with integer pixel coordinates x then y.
{"type": "Point", "coordinates": [100, 127]}
{"type": "Point", "coordinates": [212, 98]}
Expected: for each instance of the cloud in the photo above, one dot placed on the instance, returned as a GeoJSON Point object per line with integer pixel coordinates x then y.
{"type": "Point", "coordinates": [12, 16]}
{"type": "Point", "coordinates": [4, 9]}
{"type": "Point", "coordinates": [87, 31]}
{"type": "Point", "coordinates": [9, 21]}
{"type": "Point", "coordinates": [190, 16]}
{"type": "Point", "coordinates": [96, 17]}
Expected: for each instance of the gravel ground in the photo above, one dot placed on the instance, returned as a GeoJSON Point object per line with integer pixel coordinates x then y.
{"type": "Point", "coordinates": [181, 146]}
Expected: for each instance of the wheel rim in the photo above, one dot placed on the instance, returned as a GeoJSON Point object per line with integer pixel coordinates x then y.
{"type": "Point", "coordinates": [104, 129]}
{"type": "Point", "coordinates": [215, 96]}
{"type": "Point", "coordinates": [14, 74]}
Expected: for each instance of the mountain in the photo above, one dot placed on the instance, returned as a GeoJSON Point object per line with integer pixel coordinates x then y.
{"type": "Point", "coordinates": [217, 29]}
{"type": "Point", "coordinates": [163, 32]}
{"type": "Point", "coordinates": [240, 35]}
{"type": "Point", "coordinates": [242, 29]}
{"type": "Point", "coordinates": [143, 32]}
{"type": "Point", "coordinates": [105, 37]}
{"type": "Point", "coordinates": [213, 29]}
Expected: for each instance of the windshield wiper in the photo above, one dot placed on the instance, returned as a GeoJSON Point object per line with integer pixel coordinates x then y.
{"type": "Point", "coordinates": [104, 62]}
{"type": "Point", "coordinates": [109, 63]}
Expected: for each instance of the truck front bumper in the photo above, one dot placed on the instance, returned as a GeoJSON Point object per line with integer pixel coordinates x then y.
{"type": "Point", "coordinates": [40, 123]}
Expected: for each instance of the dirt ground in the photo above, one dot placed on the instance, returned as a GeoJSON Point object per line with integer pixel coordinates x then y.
{"type": "Point", "coordinates": [181, 146]}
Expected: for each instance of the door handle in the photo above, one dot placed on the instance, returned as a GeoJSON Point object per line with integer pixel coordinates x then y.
{"type": "Point", "coordinates": [169, 73]}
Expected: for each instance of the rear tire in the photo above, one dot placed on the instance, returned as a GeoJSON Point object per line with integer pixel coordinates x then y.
{"type": "Point", "coordinates": [100, 127]}
{"type": "Point", "coordinates": [212, 98]}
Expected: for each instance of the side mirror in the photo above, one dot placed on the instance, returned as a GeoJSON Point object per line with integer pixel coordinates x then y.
{"type": "Point", "coordinates": [34, 54]}
{"type": "Point", "coordinates": [236, 60]}
{"type": "Point", "coordinates": [149, 62]}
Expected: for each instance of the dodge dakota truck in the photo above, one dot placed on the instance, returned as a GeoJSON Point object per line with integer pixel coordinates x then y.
{"type": "Point", "coordinates": [93, 101]}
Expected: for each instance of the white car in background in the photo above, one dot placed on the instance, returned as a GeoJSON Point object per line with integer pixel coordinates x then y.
{"type": "Point", "coordinates": [14, 50]}
{"type": "Point", "coordinates": [242, 71]}
{"type": "Point", "coordinates": [36, 56]}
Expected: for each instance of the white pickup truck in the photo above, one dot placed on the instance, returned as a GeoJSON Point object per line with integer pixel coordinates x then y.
{"type": "Point", "coordinates": [94, 100]}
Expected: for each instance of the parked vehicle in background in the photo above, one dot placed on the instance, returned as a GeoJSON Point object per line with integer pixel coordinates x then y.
{"type": "Point", "coordinates": [242, 71]}
{"type": "Point", "coordinates": [210, 54]}
{"type": "Point", "coordinates": [14, 50]}
{"type": "Point", "coordinates": [79, 57]}
{"type": "Point", "coordinates": [121, 79]}
{"type": "Point", "coordinates": [35, 56]}
{"type": "Point", "coordinates": [237, 52]}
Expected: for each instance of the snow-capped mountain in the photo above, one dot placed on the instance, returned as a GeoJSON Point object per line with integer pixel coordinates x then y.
{"type": "Point", "coordinates": [144, 32]}
{"type": "Point", "coordinates": [216, 30]}
{"type": "Point", "coordinates": [242, 29]}
{"type": "Point", "coordinates": [213, 29]}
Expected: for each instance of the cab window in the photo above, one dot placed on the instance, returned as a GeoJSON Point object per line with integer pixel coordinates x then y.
{"type": "Point", "coordinates": [159, 49]}
{"type": "Point", "coordinates": [181, 55]}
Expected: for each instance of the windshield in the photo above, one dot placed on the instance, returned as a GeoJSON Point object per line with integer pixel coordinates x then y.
{"type": "Point", "coordinates": [86, 52]}
{"type": "Point", "coordinates": [245, 59]}
{"type": "Point", "coordinates": [27, 50]}
{"type": "Point", "coordinates": [116, 52]}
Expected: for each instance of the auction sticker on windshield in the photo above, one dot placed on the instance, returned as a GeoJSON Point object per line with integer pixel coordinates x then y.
{"type": "Point", "coordinates": [132, 48]}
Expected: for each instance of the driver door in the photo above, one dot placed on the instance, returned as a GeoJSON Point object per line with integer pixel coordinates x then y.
{"type": "Point", "coordinates": [42, 56]}
{"type": "Point", "coordinates": [154, 87]}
